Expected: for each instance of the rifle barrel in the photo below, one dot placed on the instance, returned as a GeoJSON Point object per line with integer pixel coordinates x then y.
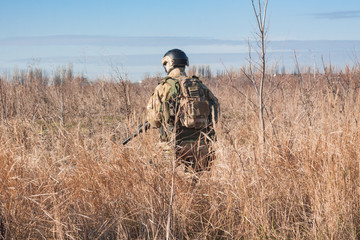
{"type": "Point", "coordinates": [126, 141]}
{"type": "Point", "coordinates": [135, 134]}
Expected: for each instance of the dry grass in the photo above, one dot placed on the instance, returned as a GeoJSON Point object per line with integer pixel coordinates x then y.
{"type": "Point", "coordinates": [65, 175]}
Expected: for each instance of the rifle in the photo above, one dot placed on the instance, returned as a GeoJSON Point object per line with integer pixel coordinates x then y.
{"type": "Point", "coordinates": [142, 128]}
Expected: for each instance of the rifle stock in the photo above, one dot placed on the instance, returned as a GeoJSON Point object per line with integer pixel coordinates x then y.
{"type": "Point", "coordinates": [142, 128]}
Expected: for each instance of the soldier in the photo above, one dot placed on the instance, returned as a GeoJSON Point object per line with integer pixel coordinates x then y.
{"type": "Point", "coordinates": [183, 108]}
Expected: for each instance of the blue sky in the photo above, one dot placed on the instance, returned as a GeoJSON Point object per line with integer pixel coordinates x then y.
{"type": "Point", "coordinates": [225, 19]}
{"type": "Point", "coordinates": [68, 30]}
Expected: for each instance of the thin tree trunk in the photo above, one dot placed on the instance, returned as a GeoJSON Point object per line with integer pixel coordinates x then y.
{"type": "Point", "coordinates": [260, 15]}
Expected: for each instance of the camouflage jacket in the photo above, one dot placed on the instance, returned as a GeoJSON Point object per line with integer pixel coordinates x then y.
{"type": "Point", "coordinates": [161, 94]}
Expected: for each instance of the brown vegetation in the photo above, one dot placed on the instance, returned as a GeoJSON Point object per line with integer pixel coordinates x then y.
{"type": "Point", "coordinates": [65, 175]}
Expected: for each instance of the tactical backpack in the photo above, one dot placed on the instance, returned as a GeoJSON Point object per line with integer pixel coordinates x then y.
{"type": "Point", "coordinates": [188, 103]}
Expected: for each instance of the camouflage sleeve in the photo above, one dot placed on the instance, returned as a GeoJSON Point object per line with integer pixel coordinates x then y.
{"type": "Point", "coordinates": [154, 108]}
{"type": "Point", "coordinates": [155, 113]}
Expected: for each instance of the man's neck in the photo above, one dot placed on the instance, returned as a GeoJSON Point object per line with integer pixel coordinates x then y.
{"type": "Point", "coordinates": [177, 72]}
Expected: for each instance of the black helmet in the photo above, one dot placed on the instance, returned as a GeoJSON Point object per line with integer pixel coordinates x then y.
{"type": "Point", "coordinates": [178, 58]}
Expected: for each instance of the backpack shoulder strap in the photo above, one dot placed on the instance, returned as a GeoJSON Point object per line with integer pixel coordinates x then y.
{"type": "Point", "coordinates": [164, 80]}
{"type": "Point", "coordinates": [174, 85]}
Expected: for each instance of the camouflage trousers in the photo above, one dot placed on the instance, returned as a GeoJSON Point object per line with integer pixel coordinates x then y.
{"type": "Point", "coordinates": [197, 155]}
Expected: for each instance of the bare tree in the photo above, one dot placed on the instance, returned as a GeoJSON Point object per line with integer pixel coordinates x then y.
{"type": "Point", "coordinates": [255, 67]}
{"type": "Point", "coordinates": [260, 13]}
{"type": "Point", "coordinates": [123, 86]}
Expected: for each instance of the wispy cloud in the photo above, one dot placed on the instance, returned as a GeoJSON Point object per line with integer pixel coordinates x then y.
{"type": "Point", "coordinates": [113, 41]}
{"type": "Point", "coordinates": [338, 15]}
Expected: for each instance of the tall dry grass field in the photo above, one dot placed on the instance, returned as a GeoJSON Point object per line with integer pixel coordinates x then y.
{"type": "Point", "coordinates": [65, 175]}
